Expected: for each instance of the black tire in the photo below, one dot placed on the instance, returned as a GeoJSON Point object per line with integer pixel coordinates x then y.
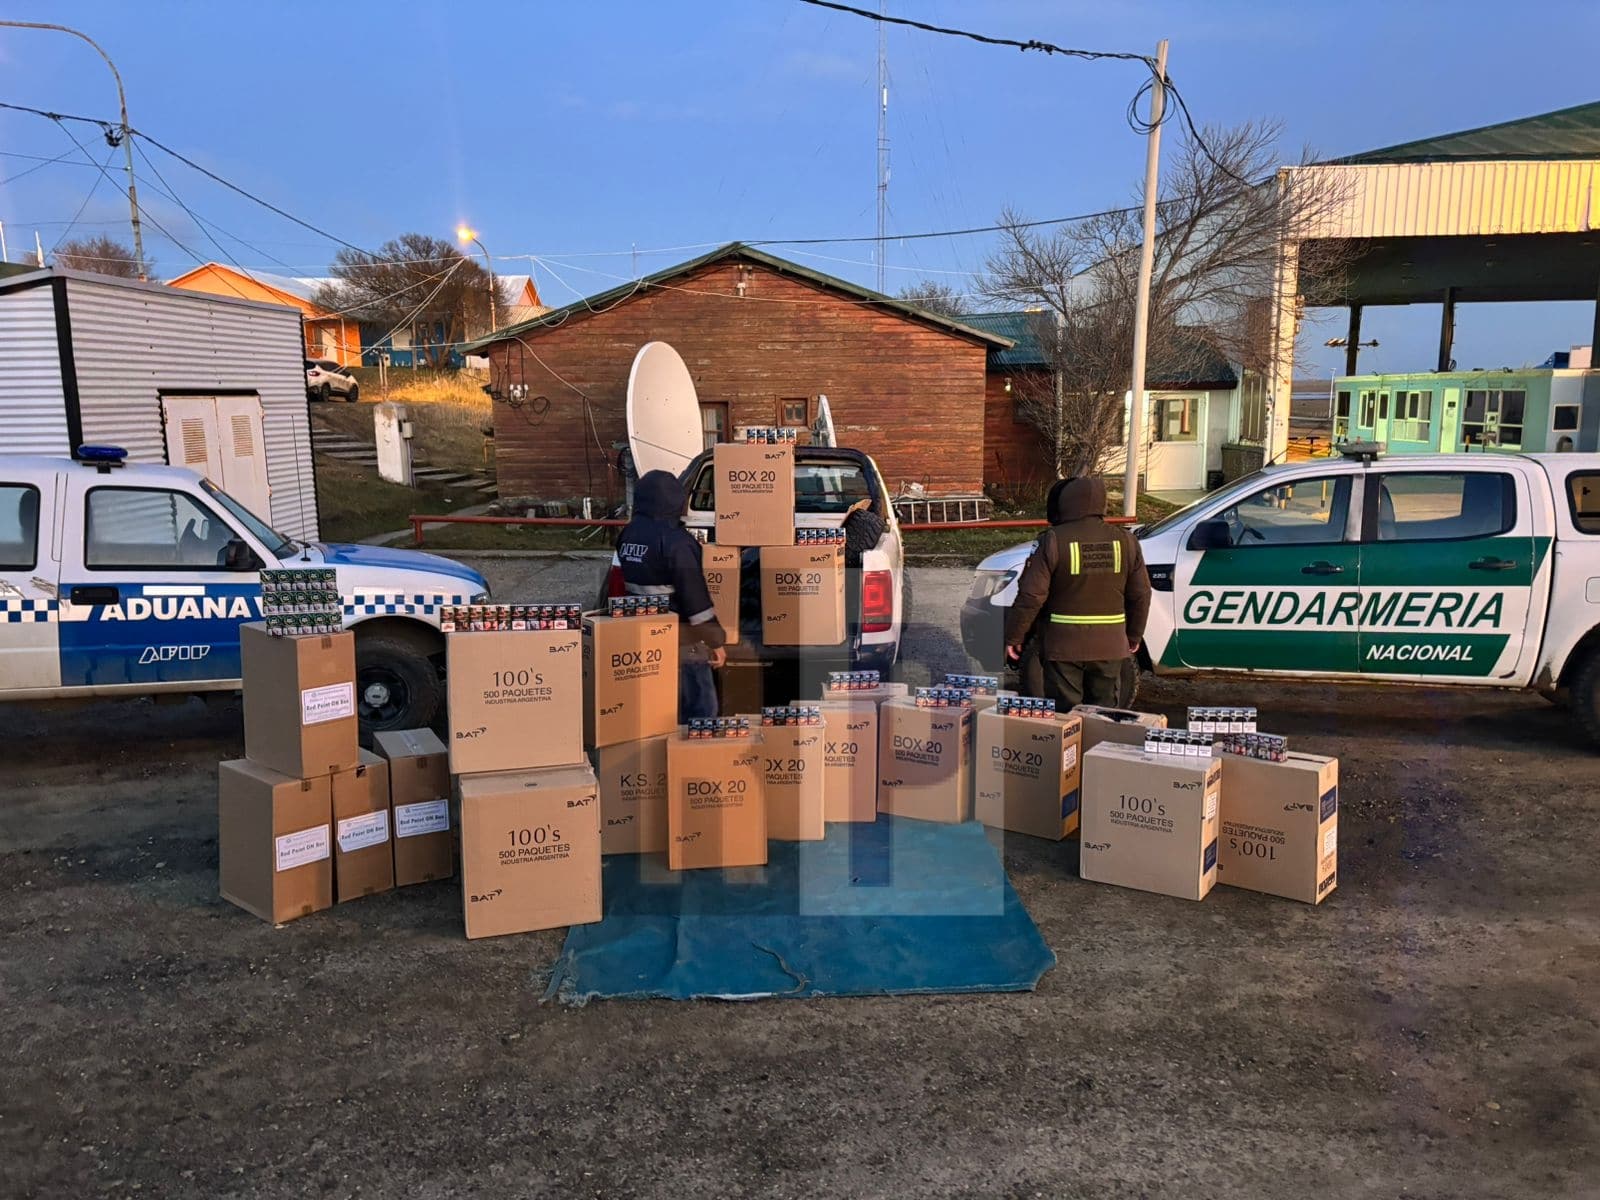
{"type": "Point", "coordinates": [1584, 697]}
{"type": "Point", "coordinates": [324, 392]}
{"type": "Point", "coordinates": [354, 394]}
{"type": "Point", "coordinates": [397, 684]}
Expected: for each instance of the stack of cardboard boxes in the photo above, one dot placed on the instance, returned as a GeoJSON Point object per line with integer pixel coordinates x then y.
{"type": "Point", "coordinates": [304, 819]}
{"type": "Point", "coordinates": [528, 803]}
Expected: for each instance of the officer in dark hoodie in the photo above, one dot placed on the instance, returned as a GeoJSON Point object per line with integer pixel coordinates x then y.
{"type": "Point", "coordinates": [1086, 586]}
{"type": "Point", "coordinates": [660, 557]}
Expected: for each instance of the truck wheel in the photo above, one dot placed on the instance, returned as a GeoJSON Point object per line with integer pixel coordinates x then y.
{"type": "Point", "coordinates": [397, 685]}
{"type": "Point", "coordinates": [1584, 697]}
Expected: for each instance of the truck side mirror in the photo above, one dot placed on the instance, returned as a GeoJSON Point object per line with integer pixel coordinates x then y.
{"type": "Point", "coordinates": [1211, 535]}
{"type": "Point", "coordinates": [239, 557]}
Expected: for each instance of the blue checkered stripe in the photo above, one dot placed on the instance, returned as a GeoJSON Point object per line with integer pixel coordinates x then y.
{"type": "Point", "coordinates": [17, 611]}
{"type": "Point", "coordinates": [405, 604]}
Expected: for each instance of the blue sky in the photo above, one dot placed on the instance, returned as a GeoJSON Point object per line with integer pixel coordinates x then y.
{"type": "Point", "coordinates": [579, 132]}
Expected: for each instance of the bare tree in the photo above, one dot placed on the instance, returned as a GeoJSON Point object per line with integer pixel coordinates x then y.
{"type": "Point", "coordinates": [1224, 216]}
{"type": "Point", "coordinates": [932, 296]}
{"type": "Point", "coordinates": [102, 255]}
{"type": "Point", "coordinates": [419, 283]}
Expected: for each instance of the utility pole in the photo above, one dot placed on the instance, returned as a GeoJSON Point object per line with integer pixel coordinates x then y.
{"type": "Point", "coordinates": [127, 134]}
{"type": "Point", "coordinates": [1141, 313]}
{"type": "Point", "coordinates": [38, 249]}
{"type": "Point", "coordinates": [883, 138]}
{"type": "Point", "coordinates": [4, 256]}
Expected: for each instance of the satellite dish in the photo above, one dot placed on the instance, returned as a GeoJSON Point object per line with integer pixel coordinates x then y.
{"type": "Point", "coordinates": [822, 427]}
{"type": "Point", "coordinates": [664, 430]}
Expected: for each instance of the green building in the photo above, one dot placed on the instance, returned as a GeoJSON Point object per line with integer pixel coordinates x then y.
{"type": "Point", "coordinates": [1531, 410]}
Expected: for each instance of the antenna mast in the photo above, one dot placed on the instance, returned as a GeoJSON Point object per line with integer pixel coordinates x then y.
{"type": "Point", "coordinates": [883, 136]}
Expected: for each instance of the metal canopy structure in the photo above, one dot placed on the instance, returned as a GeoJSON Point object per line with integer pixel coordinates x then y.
{"type": "Point", "coordinates": [1506, 212]}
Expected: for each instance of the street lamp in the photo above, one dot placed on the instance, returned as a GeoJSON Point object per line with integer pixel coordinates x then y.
{"type": "Point", "coordinates": [469, 236]}
{"type": "Point", "coordinates": [127, 138]}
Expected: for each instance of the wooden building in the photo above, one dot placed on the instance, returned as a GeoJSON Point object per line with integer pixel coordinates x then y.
{"type": "Point", "coordinates": [763, 339]}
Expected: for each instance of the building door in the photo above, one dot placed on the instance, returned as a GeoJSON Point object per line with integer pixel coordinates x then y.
{"type": "Point", "coordinates": [1380, 427]}
{"type": "Point", "coordinates": [1450, 421]}
{"type": "Point", "coordinates": [1341, 417]}
{"type": "Point", "coordinates": [220, 438]}
{"type": "Point", "coordinates": [1176, 457]}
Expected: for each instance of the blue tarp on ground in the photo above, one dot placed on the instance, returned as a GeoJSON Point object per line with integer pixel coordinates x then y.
{"type": "Point", "coordinates": [893, 908]}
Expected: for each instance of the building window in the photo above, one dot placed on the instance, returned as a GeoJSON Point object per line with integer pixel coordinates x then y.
{"type": "Point", "coordinates": [1341, 417]}
{"type": "Point", "coordinates": [1445, 507]}
{"type": "Point", "coordinates": [1383, 406]}
{"type": "Point", "coordinates": [1564, 417]}
{"type": "Point", "coordinates": [1413, 412]}
{"type": "Point", "coordinates": [1369, 409]}
{"type": "Point", "coordinates": [1494, 418]}
{"type": "Point", "coordinates": [1173, 419]}
{"type": "Point", "coordinates": [714, 423]}
{"type": "Point", "coordinates": [794, 412]}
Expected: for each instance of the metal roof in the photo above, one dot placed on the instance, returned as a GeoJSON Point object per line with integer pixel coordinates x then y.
{"type": "Point", "coordinates": [626, 291]}
{"type": "Point", "coordinates": [1190, 363]}
{"type": "Point", "coordinates": [1566, 133]}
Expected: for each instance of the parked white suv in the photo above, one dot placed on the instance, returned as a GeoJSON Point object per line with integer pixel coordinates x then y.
{"type": "Point", "coordinates": [327, 380]}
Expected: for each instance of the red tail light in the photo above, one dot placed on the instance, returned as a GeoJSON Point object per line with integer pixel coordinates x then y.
{"type": "Point", "coordinates": [877, 602]}
{"type": "Point", "coordinates": [614, 584]}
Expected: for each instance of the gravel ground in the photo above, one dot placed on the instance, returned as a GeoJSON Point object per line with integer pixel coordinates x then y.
{"type": "Point", "coordinates": [1431, 1030]}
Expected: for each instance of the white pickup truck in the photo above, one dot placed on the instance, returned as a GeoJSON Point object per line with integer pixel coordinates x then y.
{"type": "Point", "coordinates": [1464, 569]}
{"type": "Point", "coordinates": [124, 580]}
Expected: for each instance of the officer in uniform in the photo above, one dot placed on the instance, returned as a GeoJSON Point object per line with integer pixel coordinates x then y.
{"type": "Point", "coordinates": [1086, 585]}
{"type": "Point", "coordinates": [660, 557]}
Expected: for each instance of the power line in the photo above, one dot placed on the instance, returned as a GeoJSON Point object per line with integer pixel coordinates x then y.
{"type": "Point", "coordinates": [93, 188]}
{"type": "Point", "coordinates": [986, 39]}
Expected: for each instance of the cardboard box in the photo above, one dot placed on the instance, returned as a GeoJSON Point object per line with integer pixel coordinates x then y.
{"type": "Point", "coordinates": [1150, 821]}
{"type": "Point", "coordinates": [1280, 826]}
{"type": "Point", "coordinates": [716, 802]}
{"type": "Point", "coordinates": [516, 700]}
{"type": "Point", "coordinates": [419, 805]}
{"type": "Point", "coordinates": [1120, 725]}
{"type": "Point", "coordinates": [630, 678]}
{"type": "Point", "coordinates": [273, 841]}
{"type": "Point", "coordinates": [878, 695]}
{"type": "Point", "coordinates": [633, 796]}
{"type": "Point", "coordinates": [363, 853]}
{"type": "Point", "coordinates": [299, 701]}
{"type": "Point", "coordinates": [795, 764]}
{"type": "Point", "coordinates": [721, 565]}
{"type": "Point", "coordinates": [754, 491]}
{"type": "Point", "coordinates": [850, 760]}
{"type": "Point", "coordinates": [925, 762]}
{"type": "Point", "coordinates": [530, 850]}
{"type": "Point", "coordinates": [802, 595]}
{"type": "Point", "coordinates": [1026, 773]}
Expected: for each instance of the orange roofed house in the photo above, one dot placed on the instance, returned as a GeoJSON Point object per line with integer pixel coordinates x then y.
{"type": "Point", "coordinates": [328, 335]}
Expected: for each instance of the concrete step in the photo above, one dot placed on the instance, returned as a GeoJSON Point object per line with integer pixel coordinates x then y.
{"type": "Point", "coordinates": [366, 457]}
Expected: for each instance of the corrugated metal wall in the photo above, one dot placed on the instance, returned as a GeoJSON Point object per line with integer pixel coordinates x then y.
{"type": "Point", "coordinates": [33, 419]}
{"type": "Point", "coordinates": [1465, 198]}
{"type": "Point", "coordinates": [132, 342]}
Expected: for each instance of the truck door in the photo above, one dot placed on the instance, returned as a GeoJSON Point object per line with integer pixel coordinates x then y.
{"type": "Point", "coordinates": [1283, 594]}
{"type": "Point", "coordinates": [1448, 562]}
{"type": "Point", "coordinates": [28, 573]}
{"type": "Point", "coordinates": [146, 595]}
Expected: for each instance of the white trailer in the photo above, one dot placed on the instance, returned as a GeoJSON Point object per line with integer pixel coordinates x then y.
{"type": "Point", "coordinates": [183, 378]}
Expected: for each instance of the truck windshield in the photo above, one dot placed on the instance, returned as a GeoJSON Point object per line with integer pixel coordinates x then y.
{"type": "Point", "coordinates": [819, 487]}
{"type": "Point", "coordinates": [280, 546]}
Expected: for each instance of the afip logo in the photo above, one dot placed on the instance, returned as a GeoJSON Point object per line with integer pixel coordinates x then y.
{"type": "Point", "coordinates": [166, 654]}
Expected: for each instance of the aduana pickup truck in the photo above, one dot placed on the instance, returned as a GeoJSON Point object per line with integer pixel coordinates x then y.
{"type": "Point", "coordinates": [126, 580]}
{"type": "Point", "coordinates": [1466, 569]}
